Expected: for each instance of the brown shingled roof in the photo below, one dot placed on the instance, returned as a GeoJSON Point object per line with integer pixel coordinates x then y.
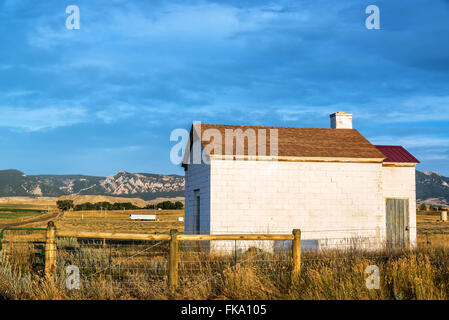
{"type": "Point", "coordinates": [310, 142]}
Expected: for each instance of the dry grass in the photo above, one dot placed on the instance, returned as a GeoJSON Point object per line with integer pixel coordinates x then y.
{"type": "Point", "coordinates": [419, 274]}
{"type": "Point", "coordinates": [28, 202]}
{"type": "Point", "coordinates": [118, 221]}
{"type": "Point", "coordinates": [431, 231]}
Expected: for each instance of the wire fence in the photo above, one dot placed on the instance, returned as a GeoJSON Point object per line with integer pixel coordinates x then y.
{"type": "Point", "coordinates": [128, 264]}
{"type": "Point", "coordinates": [24, 248]}
{"type": "Point", "coordinates": [123, 262]}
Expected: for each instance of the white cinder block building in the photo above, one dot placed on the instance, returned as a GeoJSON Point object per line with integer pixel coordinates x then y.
{"type": "Point", "coordinates": [333, 184]}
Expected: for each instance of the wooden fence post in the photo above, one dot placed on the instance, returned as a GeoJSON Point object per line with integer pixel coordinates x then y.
{"type": "Point", "coordinates": [50, 250]}
{"type": "Point", "coordinates": [173, 261]}
{"type": "Point", "coordinates": [296, 254]}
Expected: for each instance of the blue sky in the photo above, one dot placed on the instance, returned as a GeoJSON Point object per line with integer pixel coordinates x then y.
{"type": "Point", "coordinates": [106, 97]}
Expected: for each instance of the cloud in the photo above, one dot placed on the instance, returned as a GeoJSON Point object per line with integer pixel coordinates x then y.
{"type": "Point", "coordinates": [413, 141]}
{"type": "Point", "coordinates": [414, 109]}
{"type": "Point", "coordinates": [19, 93]}
{"type": "Point", "coordinates": [411, 109]}
{"type": "Point", "coordinates": [149, 66]}
{"type": "Point", "coordinates": [115, 113]}
{"type": "Point", "coordinates": [47, 118]}
{"type": "Point", "coordinates": [120, 149]}
{"type": "Point", "coordinates": [431, 150]}
{"type": "Point", "coordinates": [174, 21]}
{"type": "Point", "coordinates": [46, 37]}
{"type": "Point", "coordinates": [434, 157]}
{"type": "Point", "coordinates": [284, 54]}
{"type": "Point", "coordinates": [41, 118]}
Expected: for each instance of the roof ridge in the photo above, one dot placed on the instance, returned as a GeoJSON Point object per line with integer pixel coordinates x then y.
{"type": "Point", "coordinates": [245, 125]}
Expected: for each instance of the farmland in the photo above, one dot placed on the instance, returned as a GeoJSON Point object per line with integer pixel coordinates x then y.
{"type": "Point", "coordinates": [10, 214]}
{"type": "Point", "coordinates": [122, 270]}
{"type": "Point", "coordinates": [15, 214]}
{"type": "Point", "coordinates": [431, 232]}
{"type": "Point", "coordinates": [118, 221]}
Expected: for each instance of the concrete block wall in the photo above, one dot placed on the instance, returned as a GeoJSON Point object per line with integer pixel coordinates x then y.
{"type": "Point", "coordinates": [327, 201]}
{"type": "Point", "coordinates": [338, 204]}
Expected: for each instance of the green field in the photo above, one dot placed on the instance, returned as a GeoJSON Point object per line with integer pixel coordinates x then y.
{"type": "Point", "coordinates": [12, 213]}
{"type": "Point", "coordinates": [20, 206]}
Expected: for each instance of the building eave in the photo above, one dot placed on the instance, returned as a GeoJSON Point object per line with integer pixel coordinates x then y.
{"type": "Point", "coordinates": [295, 159]}
{"type": "Point", "coordinates": [399, 164]}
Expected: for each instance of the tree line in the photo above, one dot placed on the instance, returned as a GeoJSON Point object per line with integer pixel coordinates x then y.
{"type": "Point", "coordinates": [431, 208]}
{"type": "Point", "coordinates": [66, 205]}
{"type": "Point", "coordinates": [166, 205]}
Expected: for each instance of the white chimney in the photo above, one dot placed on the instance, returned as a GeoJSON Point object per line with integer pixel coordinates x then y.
{"type": "Point", "coordinates": [341, 120]}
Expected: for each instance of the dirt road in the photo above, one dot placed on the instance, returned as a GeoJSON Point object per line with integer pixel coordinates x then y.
{"type": "Point", "coordinates": [37, 219]}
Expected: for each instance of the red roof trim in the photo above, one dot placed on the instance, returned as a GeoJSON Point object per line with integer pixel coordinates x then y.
{"type": "Point", "coordinates": [397, 154]}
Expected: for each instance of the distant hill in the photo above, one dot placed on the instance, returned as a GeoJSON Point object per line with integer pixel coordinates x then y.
{"type": "Point", "coordinates": [50, 202]}
{"type": "Point", "coordinates": [432, 188]}
{"type": "Point", "coordinates": [146, 186]}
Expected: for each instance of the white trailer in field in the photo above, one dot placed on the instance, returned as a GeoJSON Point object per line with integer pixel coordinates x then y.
{"type": "Point", "coordinates": [149, 217]}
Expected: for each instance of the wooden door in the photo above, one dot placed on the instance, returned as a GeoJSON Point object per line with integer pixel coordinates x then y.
{"type": "Point", "coordinates": [397, 223]}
